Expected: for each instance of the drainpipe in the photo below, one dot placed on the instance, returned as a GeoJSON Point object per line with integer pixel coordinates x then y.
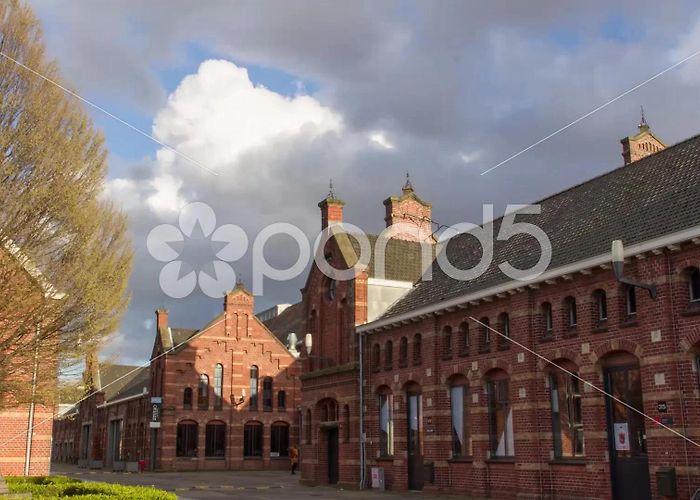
{"type": "Point", "coordinates": [30, 422]}
{"type": "Point", "coordinates": [362, 412]}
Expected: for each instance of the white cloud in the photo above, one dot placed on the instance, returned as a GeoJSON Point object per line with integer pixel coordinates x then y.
{"type": "Point", "coordinates": [379, 138]}
{"type": "Point", "coordinates": [469, 157]}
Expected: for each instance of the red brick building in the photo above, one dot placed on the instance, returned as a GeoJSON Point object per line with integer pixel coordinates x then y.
{"type": "Point", "coordinates": [222, 397]}
{"type": "Point", "coordinates": [452, 405]}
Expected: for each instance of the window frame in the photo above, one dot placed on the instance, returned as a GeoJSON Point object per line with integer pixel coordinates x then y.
{"type": "Point", "coordinates": [279, 443]}
{"type": "Point", "coordinates": [186, 437]}
{"type": "Point", "coordinates": [463, 334]}
{"type": "Point", "coordinates": [386, 419]}
{"type": "Point", "coordinates": [253, 439]}
{"type": "Point", "coordinates": [215, 439]}
{"type": "Point", "coordinates": [497, 404]}
{"type": "Point", "coordinates": [267, 392]}
{"type": "Point", "coordinates": [281, 400]}
{"type": "Point", "coordinates": [254, 377]}
{"type": "Point", "coordinates": [601, 307]}
{"type": "Point", "coordinates": [203, 392]}
{"type": "Point", "coordinates": [572, 399]}
{"type": "Point", "coordinates": [187, 397]}
{"type": "Point", "coordinates": [630, 294]}
{"type": "Point", "coordinates": [464, 415]}
{"type": "Point", "coordinates": [694, 285]}
{"type": "Point", "coordinates": [447, 340]}
{"type": "Point", "coordinates": [548, 316]}
{"type": "Point", "coordinates": [218, 386]}
{"type": "Point", "coordinates": [417, 349]}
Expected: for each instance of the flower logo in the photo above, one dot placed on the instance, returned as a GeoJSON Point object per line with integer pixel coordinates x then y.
{"type": "Point", "coordinates": [197, 252]}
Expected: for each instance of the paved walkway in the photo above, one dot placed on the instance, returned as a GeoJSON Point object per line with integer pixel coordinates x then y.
{"type": "Point", "coordinates": [228, 484]}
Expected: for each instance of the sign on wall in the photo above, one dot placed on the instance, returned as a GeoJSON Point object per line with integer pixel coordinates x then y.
{"type": "Point", "coordinates": [156, 406]}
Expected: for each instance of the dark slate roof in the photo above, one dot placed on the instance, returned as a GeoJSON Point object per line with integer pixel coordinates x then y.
{"type": "Point", "coordinates": [650, 198]}
{"type": "Point", "coordinates": [290, 320]}
{"type": "Point", "coordinates": [402, 260]}
{"type": "Point", "coordinates": [121, 381]}
{"type": "Point", "coordinates": [181, 335]}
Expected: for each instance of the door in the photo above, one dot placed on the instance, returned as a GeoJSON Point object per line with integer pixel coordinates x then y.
{"type": "Point", "coordinates": [332, 455]}
{"type": "Point", "coordinates": [629, 463]}
{"type": "Point", "coordinates": [414, 443]}
{"type": "Point", "coordinates": [114, 452]}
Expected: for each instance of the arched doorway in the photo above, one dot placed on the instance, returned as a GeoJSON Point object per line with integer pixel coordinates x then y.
{"type": "Point", "coordinates": [328, 409]}
{"type": "Point", "coordinates": [627, 439]}
{"type": "Point", "coordinates": [414, 436]}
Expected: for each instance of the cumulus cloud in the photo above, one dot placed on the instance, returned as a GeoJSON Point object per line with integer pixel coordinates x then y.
{"type": "Point", "coordinates": [379, 138]}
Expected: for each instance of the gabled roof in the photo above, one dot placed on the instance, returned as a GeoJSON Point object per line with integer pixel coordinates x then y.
{"type": "Point", "coordinates": [289, 320]}
{"type": "Point", "coordinates": [653, 197]}
{"type": "Point", "coordinates": [121, 381]}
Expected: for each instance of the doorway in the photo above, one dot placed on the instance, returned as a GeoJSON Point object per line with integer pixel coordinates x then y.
{"type": "Point", "coordinates": [629, 462]}
{"type": "Point", "coordinates": [414, 444]}
{"type": "Point", "coordinates": [114, 450]}
{"type": "Point", "coordinates": [332, 435]}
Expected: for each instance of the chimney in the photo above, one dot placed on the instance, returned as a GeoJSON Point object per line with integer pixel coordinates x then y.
{"type": "Point", "coordinates": [161, 318]}
{"type": "Point", "coordinates": [409, 209]}
{"type": "Point", "coordinates": [641, 145]}
{"type": "Point", "coordinates": [239, 300]}
{"type": "Point", "coordinates": [331, 209]}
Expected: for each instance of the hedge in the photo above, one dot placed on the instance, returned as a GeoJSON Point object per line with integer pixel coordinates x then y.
{"type": "Point", "coordinates": [51, 487]}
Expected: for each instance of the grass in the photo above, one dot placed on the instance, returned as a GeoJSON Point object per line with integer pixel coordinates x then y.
{"type": "Point", "coordinates": [51, 487]}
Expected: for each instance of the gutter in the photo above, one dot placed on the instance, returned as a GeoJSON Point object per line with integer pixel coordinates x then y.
{"type": "Point", "coordinates": [692, 234]}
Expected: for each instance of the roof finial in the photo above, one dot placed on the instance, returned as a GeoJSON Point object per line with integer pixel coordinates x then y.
{"type": "Point", "coordinates": [643, 121]}
{"type": "Point", "coordinates": [408, 184]}
{"type": "Point", "coordinates": [330, 186]}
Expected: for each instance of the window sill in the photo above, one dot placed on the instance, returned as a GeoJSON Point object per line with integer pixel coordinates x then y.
{"type": "Point", "coordinates": [504, 347]}
{"type": "Point", "coordinates": [388, 368]}
{"type": "Point", "coordinates": [484, 349]}
{"type": "Point", "coordinates": [385, 458]}
{"type": "Point", "coordinates": [547, 338]}
{"type": "Point", "coordinates": [214, 458]}
{"type": "Point", "coordinates": [418, 362]}
{"type": "Point", "coordinates": [463, 354]}
{"type": "Point", "coordinates": [446, 357]}
{"type": "Point", "coordinates": [280, 458]}
{"type": "Point", "coordinates": [403, 364]}
{"type": "Point", "coordinates": [692, 310]}
{"type": "Point", "coordinates": [252, 458]}
{"type": "Point", "coordinates": [501, 460]}
{"type": "Point", "coordinates": [571, 332]}
{"type": "Point", "coordinates": [460, 460]}
{"type": "Point", "coordinates": [568, 461]}
{"type": "Point", "coordinates": [629, 322]}
{"type": "Point", "coordinates": [600, 329]}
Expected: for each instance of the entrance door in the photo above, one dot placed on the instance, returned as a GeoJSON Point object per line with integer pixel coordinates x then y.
{"type": "Point", "coordinates": [629, 463]}
{"type": "Point", "coordinates": [114, 453]}
{"type": "Point", "coordinates": [332, 455]}
{"type": "Point", "coordinates": [414, 443]}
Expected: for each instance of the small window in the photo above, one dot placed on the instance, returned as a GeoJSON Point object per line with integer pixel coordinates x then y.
{"type": "Point", "coordinates": [267, 394]}
{"type": "Point", "coordinates": [601, 306]}
{"type": "Point", "coordinates": [447, 342]}
{"type": "Point", "coordinates": [417, 347]}
{"type": "Point", "coordinates": [694, 284]}
{"type": "Point", "coordinates": [567, 422]}
{"type": "Point", "coordinates": [281, 401]}
{"type": "Point", "coordinates": [253, 402]}
{"type": "Point", "coordinates": [218, 386]}
{"type": "Point", "coordinates": [186, 442]}
{"type": "Point", "coordinates": [187, 399]}
{"type": "Point", "coordinates": [376, 357]}
{"type": "Point", "coordinates": [485, 335]}
{"type": "Point", "coordinates": [548, 319]}
{"type": "Point", "coordinates": [215, 445]}
{"type": "Point", "coordinates": [403, 352]}
{"type": "Point", "coordinates": [388, 355]}
{"type": "Point", "coordinates": [279, 435]}
{"type": "Point", "coordinates": [252, 439]}
{"type": "Point", "coordinates": [631, 301]}
{"type": "Point", "coordinates": [463, 338]}
{"type": "Point", "coordinates": [386, 425]}
{"type": "Point", "coordinates": [504, 327]}
{"type": "Point", "coordinates": [203, 392]}
{"type": "Point", "coordinates": [571, 312]}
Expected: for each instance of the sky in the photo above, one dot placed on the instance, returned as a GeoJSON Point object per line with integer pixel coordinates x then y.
{"type": "Point", "coordinates": [276, 98]}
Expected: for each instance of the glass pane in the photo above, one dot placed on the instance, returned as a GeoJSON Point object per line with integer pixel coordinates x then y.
{"type": "Point", "coordinates": [457, 402]}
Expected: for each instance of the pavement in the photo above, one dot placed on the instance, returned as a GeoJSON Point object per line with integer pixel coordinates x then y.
{"type": "Point", "coordinates": [207, 485]}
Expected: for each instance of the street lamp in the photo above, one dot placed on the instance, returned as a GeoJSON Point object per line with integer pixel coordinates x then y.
{"type": "Point", "coordinates": [618, 263]}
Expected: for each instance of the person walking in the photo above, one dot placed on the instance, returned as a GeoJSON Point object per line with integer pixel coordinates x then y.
{"type": "Point", "coordinates": [294, 458]}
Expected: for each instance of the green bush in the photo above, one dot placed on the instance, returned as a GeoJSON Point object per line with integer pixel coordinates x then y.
{"type": "Point", "coordinates": [53, 487]}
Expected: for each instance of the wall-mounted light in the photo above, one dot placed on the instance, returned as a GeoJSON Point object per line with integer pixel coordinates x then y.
{"type": "Point", "coordinates": [308, 342]}
{"type": "Point", "coordinates": [618, 263]}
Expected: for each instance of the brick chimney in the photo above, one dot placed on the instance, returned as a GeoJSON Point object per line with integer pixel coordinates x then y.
{"type": "Point", "coordinates": [409, 209]}
{"type": "Point", "coordinates": [331, 209]}
{"type": "Point", "coordinates": [161, 318]}
{"type": "Point", "coordinates": [641, 145]}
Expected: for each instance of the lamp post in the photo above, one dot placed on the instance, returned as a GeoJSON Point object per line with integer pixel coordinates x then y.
{"type": "Point", "coordinates": [618, 263]}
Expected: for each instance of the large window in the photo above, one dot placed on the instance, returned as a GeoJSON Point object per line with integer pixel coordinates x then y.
{"type": "Point", "coordinates": [459, 411]}
{"type": "Point", "coordinates": [386, 425]}
{"type": "Point", "coordinates": [500, 417]}
{"type": "Point", "coordinates": [218, 386]}
{"type": "Point", "coordinates": [279, 435]}
{"type": "Point", "coordinates": [694, 284]}
{"type": "Point", "coordinates": [252, 439]}
{"type": "Point", "coordinates": [567, 425]}
{"type": "Point", "coordinates": [253, 402]}
{"type": "Point", "coordinates": [187, 398]}
{"type": "Point", "coordinates": [203, 392]}
{"type": "Point", "coordinates": [267, 394]}
{"type": "Point", "coordinates": [186, 445]}
{"type": "Point", "coordinates": [215, 445]}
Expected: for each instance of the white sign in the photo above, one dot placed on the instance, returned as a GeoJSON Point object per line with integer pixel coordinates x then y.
{"type": "Point", "coordinates": [622, 436]}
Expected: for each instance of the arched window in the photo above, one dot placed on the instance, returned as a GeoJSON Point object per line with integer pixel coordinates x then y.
{"type": "Point", "coordinates": [186, 443]}
{"type": "Point", "coordinates": [630, 302]}
{"type": "Point", "coordinates": [386, 422]}
{"type": "Point", "coordinates": [485, 345]}
{"type": "Point", "coordinates": [253, 388]}
{"type": "Point", "coordinates": [547, 319]}
{"type": "Point", "coordinates": [459, 411]}
{"type": "Point", "coordinates": [694, 284]}
{"type": "Point", "coordinates": [215, 445]}
{"type": "Point", "coordinates": [376, 357]}
{"type": "Point", "coordinates": [463, 338]}
{"type": "Point", "coordinates": [218, 386]}
{"type": "Point", "coordinates": [252, 439]}
{"type": "Point", "coordinates": [388, 355]}
{"type": "Point", "coordinates": [500, 417]}
{"type": "Point", "coordinates": [567, 422]}
{"type": "Point", "coordinates": [600, 300]}
{"type": "Point", "coordinates": [281, 400]}
{"type": "Point", "coordinates": [279, 439]}
{"type": "Point", "coordinates": [267, 394]}
{"type": "Point", "coordinates": [308, 426]}
{"type": "Point", "coordinates": [504, 328]}
{"type": "Point", "coordinates": [403, 352]}
{"type": "Point", "coordinates": [571, 312]}
{"type": "Point", "coordinates": [447, 342]}
{"type": "Point", "coordinates": [417, 349]}
{"type": "Point", "coordinates": [203, 392]}
{"type": "Point", "coordinates": [187, 398]}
